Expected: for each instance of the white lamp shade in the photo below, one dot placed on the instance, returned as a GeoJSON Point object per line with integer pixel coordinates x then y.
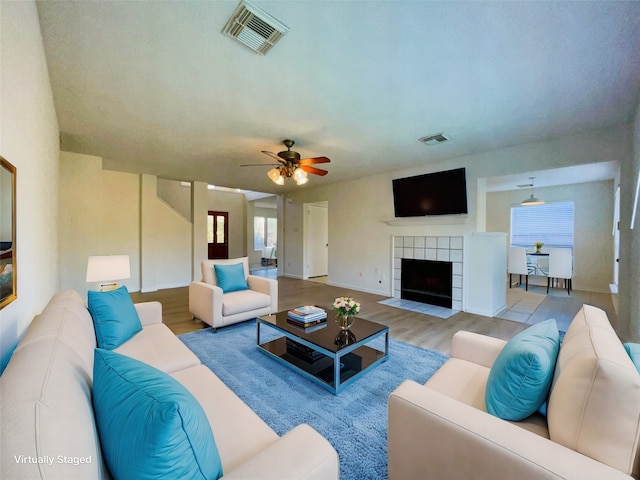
{"type": "Point", "coordinates": [108, 268]}
{"type": "Point", "coordinates": [274, 175]}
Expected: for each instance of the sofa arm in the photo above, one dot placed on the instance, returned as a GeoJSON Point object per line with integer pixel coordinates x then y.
{"type": "Point", "coordinates": [475, 348]}
{"type": "Point", "coordinates": [268, 286]}
{"type": "Point", "coordinates": [205, 302]}
{"type": "Point", "coordinates": [149, 312]}
{"type": "Point", "coordinates": [432, 436]}
{"type": "Point", "coordinates": [302, 453]}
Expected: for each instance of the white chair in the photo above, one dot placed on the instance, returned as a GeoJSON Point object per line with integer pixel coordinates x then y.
{"type": "Point", "coordinates": [518, 265]}
{"type": "Point", "coordinates": [209, 303]}
{"type": "Point", "coordinates": [560, 266]}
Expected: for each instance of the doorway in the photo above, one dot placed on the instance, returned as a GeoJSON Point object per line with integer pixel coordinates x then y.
{"type": "Point", "coordinates": [218, 235]}
{"type": "Point", "coordinates": [317, 239]}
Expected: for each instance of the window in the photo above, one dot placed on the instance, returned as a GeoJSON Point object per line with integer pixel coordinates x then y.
{"type": "Point", "coordinates": [265, 232]}
{"type": "Point", "coordinates": [258, 233]}
{"type": "Point", "coordinates": [272, 231]}
{"type": "Point", "coordinates": [550, 223]}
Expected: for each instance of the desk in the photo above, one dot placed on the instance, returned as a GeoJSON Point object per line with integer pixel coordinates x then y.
{"type": "Point", "coordinates": [537, 267]}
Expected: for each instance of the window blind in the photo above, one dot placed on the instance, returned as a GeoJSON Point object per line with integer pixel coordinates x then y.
{"type": "Point", "coordinates": [550, 223]}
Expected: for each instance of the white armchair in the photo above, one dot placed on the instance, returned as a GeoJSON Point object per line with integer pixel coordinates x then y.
{"type": "Point", "coordinates": [209, 303]}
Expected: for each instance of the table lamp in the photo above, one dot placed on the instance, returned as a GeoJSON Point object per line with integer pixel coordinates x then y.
{"type": "Point", "coordinates": [107, 269]}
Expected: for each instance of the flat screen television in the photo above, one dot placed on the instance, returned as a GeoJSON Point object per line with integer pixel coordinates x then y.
{"type": "Point", "coordinates": [439, 193]}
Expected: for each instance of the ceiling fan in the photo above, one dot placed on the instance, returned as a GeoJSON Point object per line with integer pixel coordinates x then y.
{"type": "Point", "coordinates": [290, 165]}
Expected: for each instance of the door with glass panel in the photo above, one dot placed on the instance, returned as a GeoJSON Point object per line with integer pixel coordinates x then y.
{"type": "Point", "coordinates": [218, 234]}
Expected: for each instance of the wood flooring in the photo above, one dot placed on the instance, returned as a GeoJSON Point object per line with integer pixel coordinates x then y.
{"type": "Point", "coordinates": [416, 328]}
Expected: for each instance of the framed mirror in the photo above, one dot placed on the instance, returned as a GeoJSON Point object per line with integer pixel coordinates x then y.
{"type": "Point", "coordinates": [7, 233]}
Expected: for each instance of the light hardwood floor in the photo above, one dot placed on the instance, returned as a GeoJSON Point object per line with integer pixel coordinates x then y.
{"type": "Point", "coordinates": [416, 328]}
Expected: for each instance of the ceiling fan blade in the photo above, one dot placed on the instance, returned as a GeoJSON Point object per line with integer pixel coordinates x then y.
{"type": "Point", "coordinates": [260, 165]}
{"type": "Point", "coordinates": [274, 156]}
{"type": "Point", "coordinates": [314, 170]}
{"type": "Point", "coordinates": [311, 161]}
{"type": "Point", "coordinates": [525, 185]}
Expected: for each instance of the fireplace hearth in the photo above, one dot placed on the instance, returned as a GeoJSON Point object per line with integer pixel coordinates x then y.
{"type": "Point", "coordinates": [427, 281]}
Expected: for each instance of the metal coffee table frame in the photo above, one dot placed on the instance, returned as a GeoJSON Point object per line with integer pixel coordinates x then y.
{"type": "Point", "coordinates": [339, 366]}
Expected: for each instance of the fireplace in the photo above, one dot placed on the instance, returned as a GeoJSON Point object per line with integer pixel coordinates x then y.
{"type": "Point", "coordinates": [427, 281]}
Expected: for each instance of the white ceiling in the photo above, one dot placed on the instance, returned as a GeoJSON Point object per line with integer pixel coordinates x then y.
{"type": "Point", "coordinates": [156, 87]}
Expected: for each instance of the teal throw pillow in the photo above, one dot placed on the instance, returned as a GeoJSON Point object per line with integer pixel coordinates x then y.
{"type": "Point", "coordinates": [521, 376]}
{"type": "Point", "coordinates": [633, 349]}
{"type": "Point", "coordinates": [231, 277]}
{"type": "Point", "coordinates": [150, 426]}
{"type": "Point", "coordinates": [115, 318]}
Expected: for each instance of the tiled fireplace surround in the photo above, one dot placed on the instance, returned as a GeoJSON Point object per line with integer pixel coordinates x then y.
{"type": "Point", "coordinates": [441, 248]}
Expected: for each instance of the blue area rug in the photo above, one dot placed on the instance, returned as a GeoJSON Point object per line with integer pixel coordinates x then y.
{"type": "Point", "coordinates": [355, 421]}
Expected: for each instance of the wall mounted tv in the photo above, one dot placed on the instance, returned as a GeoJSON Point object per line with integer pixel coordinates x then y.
{"type": "Point", "coordinates": [439, 193]}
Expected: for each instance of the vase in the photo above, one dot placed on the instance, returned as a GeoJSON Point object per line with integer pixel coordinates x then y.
{"type": "Point", "coordinates": [344, 321]}
{"type": "Point", "coordinates": [344, 338]}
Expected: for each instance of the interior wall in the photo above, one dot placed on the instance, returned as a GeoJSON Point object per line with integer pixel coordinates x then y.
{"type": "Point", "coordinates": [165, 241]}
{"type": "Point", "coordinates": [29, 139]}
{"type": "Point", "coordinates": [236, 205]}
{"type": "Point", "coordinates": [593, 222]}
{"type": "Point", "coordinates": [629, 273]}
{"type": "Point", "coordinates": [176, 195]}
{"type": "Point", "coordinates": [359, 210]}
{"type": "Point", "coordinates": [99, 215]}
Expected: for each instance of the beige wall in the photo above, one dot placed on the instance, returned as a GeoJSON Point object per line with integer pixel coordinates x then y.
{"type": "Point", "coordinates": [29, 139]}
{"type": "Point", "coordinates": [593, 224]}
{"type": "Point", "coordinates": [236, 205]}
{"type": "Point", "coordinates": [99, 215]}
{"type": "Point", "coordinates": [103, 212]}
{"type": "Point", "coordinates": [360, 237]}
{"type": "Point", "coordinates": [629, 276]}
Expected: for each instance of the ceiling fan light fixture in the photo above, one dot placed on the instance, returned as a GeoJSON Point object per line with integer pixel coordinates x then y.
{"type": "Point", "coordinates": [300, 176]}
{"type": "Point", "coordinates": [275, 176]}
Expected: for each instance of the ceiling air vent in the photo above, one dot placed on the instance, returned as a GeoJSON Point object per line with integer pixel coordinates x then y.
{"type": "Point", "coordinates": [254, 28]}
{"type": "Point", "coordinates": [435, 139]}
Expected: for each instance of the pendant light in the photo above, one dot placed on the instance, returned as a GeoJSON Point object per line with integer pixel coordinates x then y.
{"type": "Point", "coordinates": [532, 200]}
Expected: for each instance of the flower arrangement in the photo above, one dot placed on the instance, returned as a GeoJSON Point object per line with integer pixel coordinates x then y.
{"type": "Point", "coordinates": [346, 306]}
{"type": "Point", "coordinates": [538, 246]}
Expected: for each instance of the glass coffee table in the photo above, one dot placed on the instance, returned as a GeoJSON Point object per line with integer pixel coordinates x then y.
{"type": "Point", "coordinates": [331, 357]}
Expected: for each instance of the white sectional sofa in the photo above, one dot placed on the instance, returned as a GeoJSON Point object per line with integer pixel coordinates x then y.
{"type": "Point", "coordinates": [441, 430]}
{"type": "Point", "coordinates": [48, 424]}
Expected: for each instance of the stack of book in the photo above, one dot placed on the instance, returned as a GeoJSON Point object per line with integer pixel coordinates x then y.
{"type": "Point", "coordinates": [307, 317]}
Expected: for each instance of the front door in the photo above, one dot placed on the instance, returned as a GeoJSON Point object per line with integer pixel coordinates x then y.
{"type": "Point", "coordinates": [218, 234]}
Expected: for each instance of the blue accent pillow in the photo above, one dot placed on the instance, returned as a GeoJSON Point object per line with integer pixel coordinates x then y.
{"type": "Point", "coordinates": [521, 376]}
{"type": "Point", "coordinates": [115, 318]}
{"type": "Point", "coordinates": [150, 426]}
{"type": "Point", "coordinates": [633, 349]}
{"type": "Point", "coordinates": [231, 277]}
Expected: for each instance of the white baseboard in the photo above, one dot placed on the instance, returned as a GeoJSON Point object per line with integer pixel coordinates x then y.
{"type": "Point", "coordinates": [484, 312]}
{"type": "Point", "coordinates": [291, 275]}
{"type": "Point", "coordinates": [359, 289]}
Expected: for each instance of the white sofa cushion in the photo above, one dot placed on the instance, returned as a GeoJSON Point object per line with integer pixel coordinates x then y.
{"type": "Point", "coordinates": [594, 406]}
{"type": "Point", "coordinates": [244, 301]}
{"type": "Point", "coordinates": [240, 433]}
{"type": "Point", "coordinates": [160, 348]}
